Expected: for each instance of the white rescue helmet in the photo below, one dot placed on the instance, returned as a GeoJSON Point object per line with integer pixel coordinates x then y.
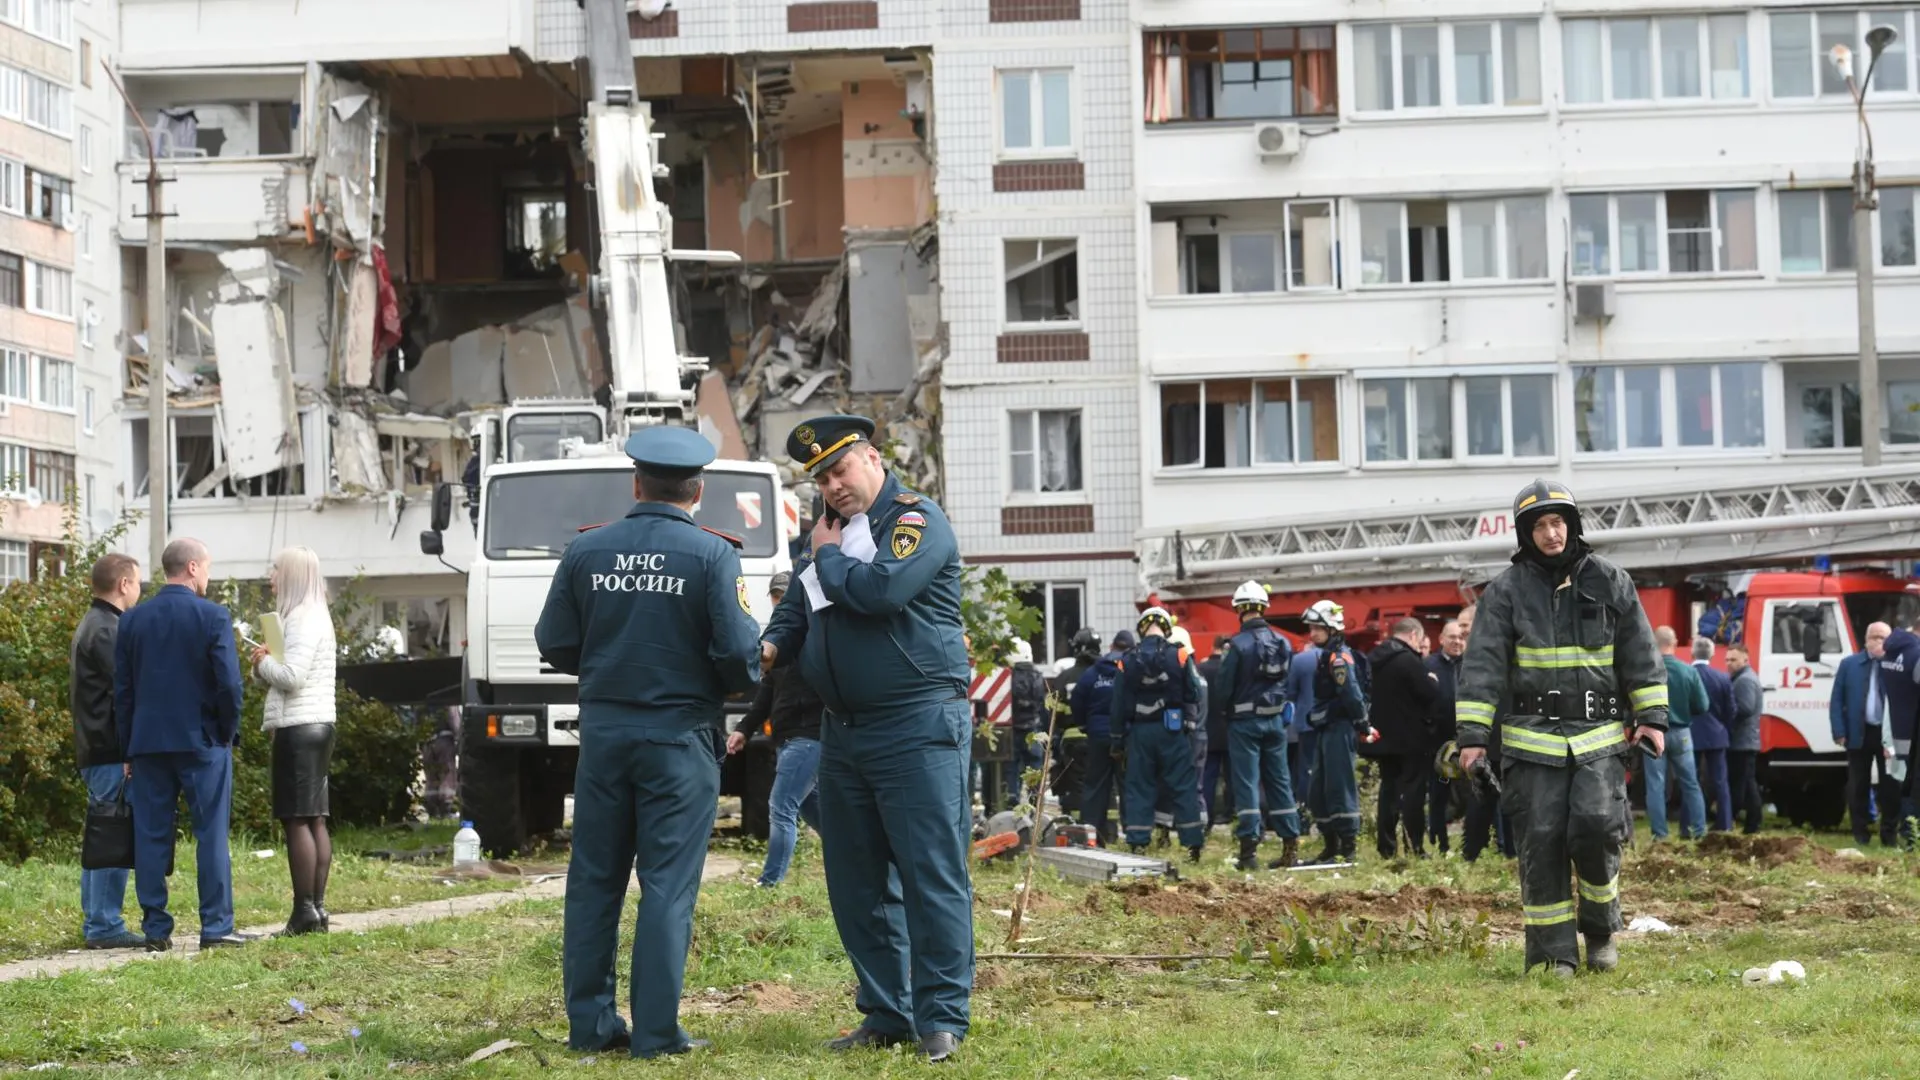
{"type": "Point", "coordinates": [1328, 614]}
{"type": "Point", "coordinates": [1251, 594]}
{"type": "Point", "coordinates": [1152, 616]}
{"type": "Point", "coordinates": [1179, 636]}
{"type": "Point", "coordinates": [1022, 652]}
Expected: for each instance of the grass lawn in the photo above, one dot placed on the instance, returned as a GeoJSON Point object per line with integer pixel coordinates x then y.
{"type": "Point", "coordinates": [40, 899]}
{"type": "Point", "coordinates": [768, 983]}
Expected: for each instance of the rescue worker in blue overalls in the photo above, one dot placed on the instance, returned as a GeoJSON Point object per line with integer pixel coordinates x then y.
{"type": "Point", "coordinates": [1093, 713]}
{"type": "Point", "coordinates": [651, 613]}
{"type": "Point", "coordinates": [876, 631]}
{"type": "Point", "coordinates": [1339, 720]}
{"type": "Point", "coordinates": [1154, 702]}
{"type": "Point", "coordinates": [1254, 675]}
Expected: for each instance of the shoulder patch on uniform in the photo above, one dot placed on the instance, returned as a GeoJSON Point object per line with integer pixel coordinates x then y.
{"type": "Point", "coordinates": [590, 528]}
{"type": "Point", "coordinates": [904, 541]}
{"type": "Point", "coordinates": [728, 537]}
{"type": "Point", "coordinates": [740, 587]}
{"type": "Point", "coordinates": [907, 498]}
{"type": "Point", "coordinates": [912, 517]}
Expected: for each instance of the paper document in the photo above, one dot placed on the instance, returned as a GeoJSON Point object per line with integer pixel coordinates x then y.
{"type": "Point", "coordinates": [273, 637]}
{"type": "Point", "coordinates": [810, 579]}
{"type": "Point", "coordinates": [856, 542]}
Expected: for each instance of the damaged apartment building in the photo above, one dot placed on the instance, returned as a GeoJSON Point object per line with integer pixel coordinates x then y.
{"type": "Point", "coordinates": [366, 258]}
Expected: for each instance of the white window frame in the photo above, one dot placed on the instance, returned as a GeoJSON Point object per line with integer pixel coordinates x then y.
{"type": "Point", "coordinates": [49, 19]}
{"type": "Point", "coordinates": [1281, 233]}
{"type": "Point", "coordinates": [16, 375]}
{"type": "Point", "coordinates": [1865, 19]}
{"type": "Point", "coordinates": [83, 233]}
{"type": "Point", "coordinates": [87, 405]}
{"type": "Point", "coordinates": [1449, 69]}
{"type": "Point", "coordinates": [88, 312]}
{"type": "Point", "coordinates": [315, 446]}
{"type": "Point", "coordinates": [35, 275]}
{"type": "Point", "coordinates": [1664, 245]}
{"type": "Point", "coordinates": [15, 559]}
{"type": "Point", "coordinates": [1046, 590]}
{"type": "Point", "coordinates": [1455, 257]}
{"type": "Point", "coordinates": [1079, 269]}
{"type": "Point", "coordinates": [1670, 445]}
{"type": "Point", "coordinates": [13, 92]}
{"type": "Point", "coordinates": [1879, 224]}
{"type": "Point", "coordinates": [49, 369]}
{"type": "Point", "coordinates": [1791, 414]}
{"type": "Point", "coordinates": [1462, 436]}
{"type": "Point", "coordinates": [1411, 421]}
{"type": "Point", "coordinates": [14, 13]}
{"type": "Point", "coordinates": [83, 147]}
{"type": "Point", "coordinates": [57, 103]}
{"type": "Point", "coordinates": [1780, 202]}
{"type": "Point", "coordinates": [1031, 417]}
{"type": "Point", "coordinates": [1199, 467]}
{"type": "Point", "coordinates": [16, 469]}
{"type": "Point", "coordinates": [13, 187]}
{"type": "Point", "coordinates": [1037, 111]}
{"type": "Point", "coordinates": [1703, 30]}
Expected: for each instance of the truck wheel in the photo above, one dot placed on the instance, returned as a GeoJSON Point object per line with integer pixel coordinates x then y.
{"type": "Point", "coordinates": [491, 794]}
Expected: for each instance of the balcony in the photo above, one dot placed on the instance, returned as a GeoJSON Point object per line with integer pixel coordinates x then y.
{"type": "Point", "coordinates": [157, 34]}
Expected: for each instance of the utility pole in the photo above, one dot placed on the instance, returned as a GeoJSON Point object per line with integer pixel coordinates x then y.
{"type": "Point", "coordinates": [1865, 255]}
{"type": "Point", "coordinates": [159, 463]}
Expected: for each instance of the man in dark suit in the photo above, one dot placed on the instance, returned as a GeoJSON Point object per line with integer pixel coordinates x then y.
{"type": "Point", "coordinates": [176, 683]}
{"type": "Point", "coordinates": [1859, 713]}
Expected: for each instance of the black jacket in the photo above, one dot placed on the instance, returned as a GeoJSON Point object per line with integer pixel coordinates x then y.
{"type": "Point", "coordinates": [786, 699]}
{"type": "Point", "coordinates": [95, 740]}
{"type": "Point", "coordinates": [1029, 698]}
{"type": "Point", "coordinates": [1403, 696]}
{"type": "Point", "coordinates": [1219, 704]}
{"type": "Point", "coordinates": [1447, 672]}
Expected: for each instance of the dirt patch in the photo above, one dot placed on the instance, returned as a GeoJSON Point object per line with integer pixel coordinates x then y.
{"type": "Point", "coordinates": [1769, 851]}
{"type": "Point", "coordinates": [991, 977]}
{"type": "Point", "coordinates": [1257, 903]}
{"type": "Point", "coordinates": [758, 997]}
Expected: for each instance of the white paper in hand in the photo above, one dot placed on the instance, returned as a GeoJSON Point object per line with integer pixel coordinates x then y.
{"type": "Point", "coordinates": [810, 579]}
{"type": "Point", "coordinates": [856, 539]}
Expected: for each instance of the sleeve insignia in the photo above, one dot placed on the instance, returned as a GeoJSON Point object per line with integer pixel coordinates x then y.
{"type": "Point", "coordinates": [740, 589]}
{"type": "Point", "coordinates": [912, 517]}
{"type": "Point", "coordinates": [904, 541]}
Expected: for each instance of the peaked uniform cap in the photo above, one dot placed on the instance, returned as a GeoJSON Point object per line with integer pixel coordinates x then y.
{"type": "Point", "coordinates": [818, 443]}
{"type": "Point", "coordinates": [670, 450]}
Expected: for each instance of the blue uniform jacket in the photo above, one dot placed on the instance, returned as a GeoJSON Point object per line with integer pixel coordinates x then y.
{"type": "Point", "coordinates": [1847, 708]}
{"type": "Point", "coordinates": [1190, 698]}
{"type": "Point", "coordinates": [176, 676]}
{"type": "Point", "coordinates": [1900, 675]}
{"type": "Point", "coordinates": [1336, 699]}
{"type": "Point", "coordinates": [891, 639]}
{"type": "Point", "coordinates": [1093, 696]}
{"type": "Point", "coordinates": [1300, 686]}
{"type": "Point", "coordinates": [1242, 682]}
{"type": "Point", "coordinates": [651, 612]}
{"type": "Point", "coordinates": [1710, 728]}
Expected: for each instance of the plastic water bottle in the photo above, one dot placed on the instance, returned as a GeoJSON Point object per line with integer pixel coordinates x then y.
{"type": "Point", "coordinates": [466, 845]}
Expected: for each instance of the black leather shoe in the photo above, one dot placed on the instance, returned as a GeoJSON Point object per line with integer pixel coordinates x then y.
{"type": "Point", "coordinates": [305, 920]}
{"type": "Point", "coordinates": [939, 1046]}
{"type": "Point", "coordinates": [687, 1047]}
{"type": "Point", "coordinates": [159, 944]}
{"type": "Point", "coordinates": [122, 940]}
{"type": "Point", "coordinates": [227, 941]}
{"type": "Point", "coordinates": [864, 1037]}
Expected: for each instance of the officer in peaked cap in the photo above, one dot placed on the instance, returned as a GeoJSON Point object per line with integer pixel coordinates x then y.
{"type": "Point", "coordinates": [886, 655]}
{"type": "Point", "coordinates": [651, 613]}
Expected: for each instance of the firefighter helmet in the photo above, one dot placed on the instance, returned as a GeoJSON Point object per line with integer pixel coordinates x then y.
{"type": "Point", "coordinates": [1179, 636]}
{"type": "Point", "coordinates": [1447, 762]}
{"type": "Point", "coordinates": [1152, 616]}
{"type": "Point", "coordinates": [1022, 652]}
{"type": "Point", "coordinates": [1538, 498]}
{"type": "Point", "coordinates": [1251, 594]}
{"type": "Point", "coordinates": [1086, 642]}
{"type": "Point", "coordinates": [1326, 613]}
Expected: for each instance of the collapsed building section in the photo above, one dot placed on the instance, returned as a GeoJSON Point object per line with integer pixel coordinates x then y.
{"type": "Point", "coordinates": [419, 249]}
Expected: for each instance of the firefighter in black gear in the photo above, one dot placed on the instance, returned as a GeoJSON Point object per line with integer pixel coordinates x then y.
{"type": "Point", "coordinates": [1070, 745]}
{"type": "Point", "coordinates": [1561, 636]}
{"type": "Point", "coordinates": [1154, 709]}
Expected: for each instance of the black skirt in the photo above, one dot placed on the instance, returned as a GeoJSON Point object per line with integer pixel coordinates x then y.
{"type": "Point", "coordinates": [302, 756]}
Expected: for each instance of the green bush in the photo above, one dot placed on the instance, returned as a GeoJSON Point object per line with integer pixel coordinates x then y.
{"type": "Point", "coordinates": [376, 755]}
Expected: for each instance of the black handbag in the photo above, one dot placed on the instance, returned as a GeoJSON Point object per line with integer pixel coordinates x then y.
{"type": "Point", "coordinates": [107, 843]}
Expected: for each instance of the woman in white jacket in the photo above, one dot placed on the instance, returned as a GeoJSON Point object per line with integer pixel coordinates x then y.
{"type": "Point", "coordinates": [300, 714]}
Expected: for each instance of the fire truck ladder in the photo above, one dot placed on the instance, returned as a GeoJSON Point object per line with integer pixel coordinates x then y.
{"type": "Point", "coordinates": [1855, 513]}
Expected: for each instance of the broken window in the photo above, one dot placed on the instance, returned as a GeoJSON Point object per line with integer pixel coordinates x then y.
{"type": "Point", "coordinates": [1043, 281]}
{"type": "Point", "coordinates": [1271, 72]}
{"type": "Point", "coordinates": [1036, 111]}
{"type": "Point", "coordinates": [1446, 65]}
{"type": "Point", "coordinates": [200, 461]}
{"type": "Point", "coordinates": [218, 115]}
{"type": "Point", "coordinates": [1045, 450]}
{"type": "Point", "coordinates": [1672, 232]}
{"type": "Point", "coordinates": [536, 232]}
{"type": "Point", "coordinates": [1238, 423]}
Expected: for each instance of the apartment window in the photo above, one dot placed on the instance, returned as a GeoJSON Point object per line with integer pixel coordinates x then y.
{"type": "Point", "coordinates": [49, 291]}
{"type": "Point", "coordinates": [1685, 406]}
{"type": "Point", "coordinates": [13, 92]}
{"type": "Point", "coordinates": [52, 474]}
{"type": "Point", "coordinates": [1430, 241]}
{"type": "Point", "coordinates": [1816, 231]}
{"type": "Point", "coordinates": [46, 105]}
{"type": "Point", "coordinates": [1826, 415]}
{"type": "Point", "coordinates": [83, 146]}
{"type": "Point", "coordinates": [1044, 450]}
{"type": "Point", "coordinates": [1402, 67]}
{"type": "Point", "coordinates": [1240, 423]}
{"type": "Point", "coordinates": [1903, 412]}
{"type": "Point", "coordinates": [1896, 217]}
{"type": "Point", "coordinates": [56, 384]}
{"type": "Point", "coordinates": [86, 62]}
{"type": "Point", "coordinates": [1294, 252]}
{"type": "Point", "coordinates": [13, 291]}
{"type": "Point", "coordinates": [199, 456]}
{"type": "Point", "coordinates": [1507, 416]}
{"type": "Point", "coordinates": [1062, 609]}
{"type": "Point", "coordinates": [86, 410]}
{"type": "Point", "coordinates": [89, 314]}
{"type": "Point", "coordinates": [83, 234]}
{"type": "Point", "coordinates": [13, 187]}
{"type": "Point", "coordinates": [13, 558]}
{"type": "Point", "coordinates": [1683, 58]}
{"type": "Point", "coordinates": [1663, 232]}
{"type": "Point", "coordinates": [1801, 41]}
{"type": "Point", "coordinates": [1270, 72]}
{"type": "Point", "coordinates": [49, 197]}
{"type": "Point", "coordinates": [16, 470]}
{"type": "Point", "coordinates": [51, 19]}
{"type": "Point", "coordinates": [1407, 419]}
{"type": "Point", "coordinates": [16, 375]}
{"type": "Point", "coordinates": [1036, 112]}
{"type": "Point", "coordinates": [1468, 418]}
{"type": "Point", "coordinates": [13, 11]}
{"type": "Point", "coordinates": [1043, 282]}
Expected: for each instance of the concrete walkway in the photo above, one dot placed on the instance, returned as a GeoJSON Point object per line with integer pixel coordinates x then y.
{"type": "Point", "coordinates": [543, 888]}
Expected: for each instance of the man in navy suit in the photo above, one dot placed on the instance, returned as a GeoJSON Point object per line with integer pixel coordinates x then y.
{"type": "Point", "coordinates": [177, 707]}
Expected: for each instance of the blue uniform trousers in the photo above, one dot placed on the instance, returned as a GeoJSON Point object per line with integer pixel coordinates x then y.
{"type": "Point", "coordinates": [1334, 795]}
{"type": "Point", "coordinates": [1161, 760]}
{"type": "Point", "coordinates": [1257, 753]}
{"type": "Point", "coordinates": [643, 803]}
{"type": "Point", "coordinates": [1096, 798]}
{"type": "Point", "coordinates": [103, 893]}
{"type": "Point", "coordinates": [205, 777]}
{"type": "Point", "coordinates": [897, 830]}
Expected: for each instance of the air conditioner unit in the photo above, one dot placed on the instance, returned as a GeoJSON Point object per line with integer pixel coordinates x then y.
{"type": "Point", "coordinates": [1593, 301]}
{"type": "Point", "coordinates": [1276, 140]}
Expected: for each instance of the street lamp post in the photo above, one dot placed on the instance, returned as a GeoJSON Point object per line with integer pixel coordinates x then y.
{"type": "Point", "coordinates": [1864, 255]}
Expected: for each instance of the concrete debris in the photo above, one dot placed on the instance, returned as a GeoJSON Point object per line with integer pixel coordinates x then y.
{"type": "Point", "coordinates": [717, 420]}
{"type": "Point", "coordinates": [357, 468]}
{"type": "Point", "coordinates": [551, 353]}
{"type": "Point", "coordinates": [347, 175]}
